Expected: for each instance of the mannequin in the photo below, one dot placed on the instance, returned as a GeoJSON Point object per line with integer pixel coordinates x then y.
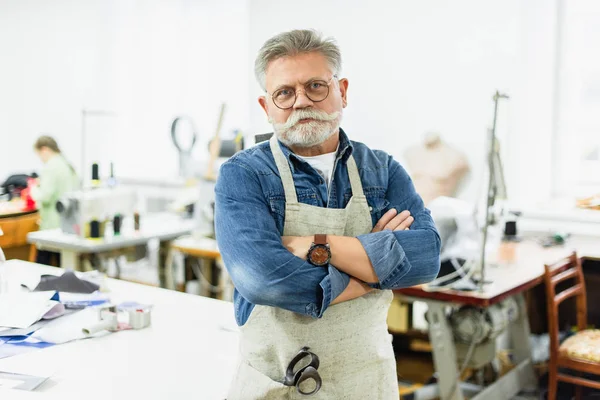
{"type": "Point", "coordinates": [436, 168]}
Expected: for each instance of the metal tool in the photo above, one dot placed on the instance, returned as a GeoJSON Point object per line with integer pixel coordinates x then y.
{"type": "Point", "coordinates": [184, 126]}
{"type": "Point", "coordinates": [108, 321]}
{"type": "Point", "coordinates": [137, 318]}
{"type": "Point", "coordinates": [309, 371]}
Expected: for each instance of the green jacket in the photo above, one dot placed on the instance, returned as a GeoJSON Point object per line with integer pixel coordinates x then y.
{"type": "Point", "coordinates": [56, 179]}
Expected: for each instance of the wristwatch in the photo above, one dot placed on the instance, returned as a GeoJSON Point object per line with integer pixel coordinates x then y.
{"type": "Point", "coordinates": [319, 253]}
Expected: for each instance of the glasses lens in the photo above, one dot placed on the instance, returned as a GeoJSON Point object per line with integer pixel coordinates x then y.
{"type": "Point", "coordinates": [284, 98]}
{"type": "Point", "coordinates": [317, 90]}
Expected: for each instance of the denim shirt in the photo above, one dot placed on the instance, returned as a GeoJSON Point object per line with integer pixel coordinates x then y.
{"type": "Point", "coordinates": [249, 219]}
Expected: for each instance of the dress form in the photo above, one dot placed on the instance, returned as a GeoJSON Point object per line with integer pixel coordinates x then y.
{"type": "Point", "coordinates": [436, 168]}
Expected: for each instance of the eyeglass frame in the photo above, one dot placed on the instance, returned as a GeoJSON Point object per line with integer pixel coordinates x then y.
{"type": "Point", "coordinates": [307, 96]}
{"type": "Point", "coordinates": [305, 373]}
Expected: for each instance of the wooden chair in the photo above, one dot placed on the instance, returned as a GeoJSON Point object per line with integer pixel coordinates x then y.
{"type": "Point", "coordinates": [14, 240]}
{"type": "Point", "coordinates": [580, 352]}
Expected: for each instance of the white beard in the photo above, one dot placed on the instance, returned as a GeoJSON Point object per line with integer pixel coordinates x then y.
{"type": "Point", "coordinates": [308, 134]}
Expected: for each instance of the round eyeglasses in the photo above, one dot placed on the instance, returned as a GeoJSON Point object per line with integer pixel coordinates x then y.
{"type": "Point", "coordinates": [316, 90]}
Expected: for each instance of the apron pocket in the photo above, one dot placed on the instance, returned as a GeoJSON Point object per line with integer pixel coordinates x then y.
{"type": "Point", "coordinates": [251, 384]}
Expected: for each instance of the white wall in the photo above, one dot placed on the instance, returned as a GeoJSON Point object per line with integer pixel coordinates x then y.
{"type": "Point", "coordinates": [434, 65]}
{"type": "Point", "coordinates": [412, 66]}
{"type": "Point", "coordinates": [147, 61]}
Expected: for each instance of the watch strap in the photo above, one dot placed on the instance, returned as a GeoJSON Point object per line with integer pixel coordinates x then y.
{"type": "Point", "coordinates": [320, 238]}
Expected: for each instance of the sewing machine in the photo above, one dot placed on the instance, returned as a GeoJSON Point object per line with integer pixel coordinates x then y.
{"type": "Point", "coordinates": [78, 209]}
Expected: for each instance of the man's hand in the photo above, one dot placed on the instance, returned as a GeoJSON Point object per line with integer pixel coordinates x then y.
{"type": "Point", "coordinates": [298, 245]}
{"type": "Point", "coordinates": [392, 221]}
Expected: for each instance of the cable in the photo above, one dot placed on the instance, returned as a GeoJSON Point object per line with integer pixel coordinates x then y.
{"type": "Point", "coordinates": [470, 265]}
{"type": "Point", "coordinates": [202, 279]}
{"type": "Point", "coordinates": [449, 276]}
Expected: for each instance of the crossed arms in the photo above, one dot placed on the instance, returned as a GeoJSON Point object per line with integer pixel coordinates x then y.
{"type": "Point", "coordinates": [270, 270]}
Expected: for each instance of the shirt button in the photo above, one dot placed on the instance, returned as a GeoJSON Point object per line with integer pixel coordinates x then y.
{"type": "Point", "coordinates": [322, 181]}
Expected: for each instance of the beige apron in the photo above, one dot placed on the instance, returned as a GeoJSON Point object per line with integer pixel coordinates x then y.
{"type": "Point", "coordinates": [351, 339]}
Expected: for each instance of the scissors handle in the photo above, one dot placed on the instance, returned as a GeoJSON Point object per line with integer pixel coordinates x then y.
{"type": "Point", "coordinates": [309, 373]}
{"type": "Point", "coordinates": [305, 373]}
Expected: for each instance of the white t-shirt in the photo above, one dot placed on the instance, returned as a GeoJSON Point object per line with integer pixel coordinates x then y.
{"type": "Point", "coordinates": [323, 163]}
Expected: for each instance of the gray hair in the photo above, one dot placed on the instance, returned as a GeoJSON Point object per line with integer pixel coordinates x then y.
{"type": "Point", "coordinates": [292, 43]}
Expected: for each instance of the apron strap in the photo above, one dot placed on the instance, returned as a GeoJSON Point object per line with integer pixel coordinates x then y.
{"type": "Point", "coordinates": [284, 172]}
{"type": "Point", "coordinates": [357, 189]}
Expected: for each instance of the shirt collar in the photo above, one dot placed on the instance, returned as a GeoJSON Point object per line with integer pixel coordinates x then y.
{"type": "Point", "coordinates": [345, 149]}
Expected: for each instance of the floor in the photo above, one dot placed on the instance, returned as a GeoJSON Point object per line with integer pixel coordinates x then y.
{"type": "Point", "coordinates": [416, 368]}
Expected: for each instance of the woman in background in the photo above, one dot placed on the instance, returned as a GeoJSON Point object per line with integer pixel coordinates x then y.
{"type": "Point", "coordinates": [57, 178]}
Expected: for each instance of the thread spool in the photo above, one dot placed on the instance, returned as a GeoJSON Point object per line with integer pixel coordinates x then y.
{"type": "Point", "coordinates": [117, 220]}
{"type": "Point", "coordinates": [136, 221]}
{"type": "Point", "coordinates": [94, 229]}
{"type": "Point", "coordinates": [510, 229]}
{"type": "Point", "coordinates": [95, 174]}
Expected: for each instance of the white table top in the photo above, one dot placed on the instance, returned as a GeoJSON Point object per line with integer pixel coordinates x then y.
{"type": "Point", "coordinates": [160, 226]}
{"type": "Point", "coordinates": [189, 352]}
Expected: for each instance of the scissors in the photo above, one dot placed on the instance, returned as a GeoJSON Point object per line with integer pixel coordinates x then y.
{"type": "Point", "coordinates": [305, 373]}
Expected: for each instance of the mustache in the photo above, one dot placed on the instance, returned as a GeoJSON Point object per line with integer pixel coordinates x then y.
{"type": "Point", "coordinates": [301, 114]}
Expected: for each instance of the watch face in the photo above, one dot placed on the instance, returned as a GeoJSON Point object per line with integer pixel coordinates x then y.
{"type": "Point", "coordinates": [320, 255]}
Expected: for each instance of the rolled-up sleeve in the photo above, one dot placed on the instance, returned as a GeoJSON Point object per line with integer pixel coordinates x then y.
{"type": "Point", "coordinates": [263, 271]}
{"type": "Point", "coordinates": [410, 257]}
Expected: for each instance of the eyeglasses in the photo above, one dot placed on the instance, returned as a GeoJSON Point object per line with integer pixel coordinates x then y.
{"type": "Point", "coordinates": [316, 90]}
{"type": "Point", "coordinates": [309, 371]}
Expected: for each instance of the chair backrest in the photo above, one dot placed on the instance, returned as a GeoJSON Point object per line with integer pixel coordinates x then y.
{"type": "Point", "coordinates": [566, 269]}
{"type": "Point", "coordinates": [16, 229]}
{"type": "Point", "coordinates": [2, 256]}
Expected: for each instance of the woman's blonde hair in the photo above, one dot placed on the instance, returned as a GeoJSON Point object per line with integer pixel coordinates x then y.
{"type": "Point", "coordinates": [46, 141]}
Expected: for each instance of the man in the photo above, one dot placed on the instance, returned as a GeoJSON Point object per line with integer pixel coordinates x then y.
{"type": "Point", "coordinates": [314, 231]}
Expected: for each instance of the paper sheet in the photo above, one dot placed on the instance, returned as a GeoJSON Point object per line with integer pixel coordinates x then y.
{"type": "Point", "coordinates": [20, 310]}
{"type": "Point", "coordinates": [4, 332]}
{"type": "Point", "coordinates": [12, 347]}
{"type": "Point", "coordinates": [68, 327]}
{"type": "Point", "coordinates": [19, 381]}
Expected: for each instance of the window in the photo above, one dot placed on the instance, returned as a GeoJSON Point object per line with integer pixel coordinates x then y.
{"type": "Point", "coordinates": [577, 145]}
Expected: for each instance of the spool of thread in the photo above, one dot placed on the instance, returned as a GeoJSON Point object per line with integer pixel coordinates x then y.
{"type": "Point", "coordinates": [117, 220]}
{"type": "Point", "coordinates": [136, 221]}
{"type": "Point", "coordinates": [111, 179]}
{"type": "Point", "coordinates": [510, 229]}
{"type": "Point", "coordinates": [95, 174]}
{"type": "Point", "coordinates": [94, 229]}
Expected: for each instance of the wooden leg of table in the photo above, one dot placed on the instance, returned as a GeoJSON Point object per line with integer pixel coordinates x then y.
{"type": "Point", "coordinates": [169, 275]}
{"type": "Point", "coordinates": [215, 281]}
{"type": "Point", "coordinates": [32, 253]}
{"type": "Point", "coordinates": [165, 266]}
